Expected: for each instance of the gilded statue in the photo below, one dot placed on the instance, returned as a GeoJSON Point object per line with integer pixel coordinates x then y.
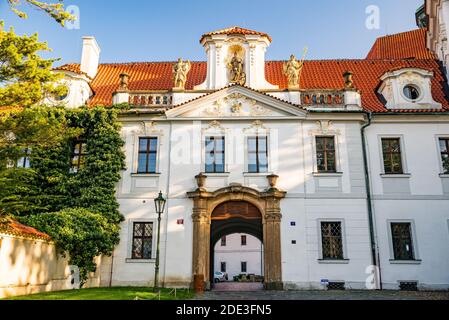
{"type": "Point", "coordinates": [292, 69]}
{"type": "Point", "coordinates": [235, 67]}
{"type": "Point", "coordinates": [180, 71]}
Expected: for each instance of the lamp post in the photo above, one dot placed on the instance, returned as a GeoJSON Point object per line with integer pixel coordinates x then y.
{"type": "Point", "coordinates": [159, 204]}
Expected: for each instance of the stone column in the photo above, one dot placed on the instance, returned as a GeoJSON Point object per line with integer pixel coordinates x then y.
{"type": "Point", "coordinates": [201, 238]}
{"type": "Point", "coordinates": [272, 241]}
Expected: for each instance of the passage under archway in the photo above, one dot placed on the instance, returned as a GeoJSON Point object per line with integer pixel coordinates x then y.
{"type": "Point", "coordinates": [233, 217]}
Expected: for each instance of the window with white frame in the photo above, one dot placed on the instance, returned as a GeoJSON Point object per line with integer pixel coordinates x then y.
{"type": "Point", "coordinates": [25, 159]}
{"type": "Point", "coordinates": [402, 241]}
{"type": "Point", "coordinates": [243, 266]}
{"type": "Point", "coordinates": [147, 158]}
{"type": "Point", "coordinates": [79, 155]}
{"type": "Point", "coordinates": [444, 151]}
{"type": "Point", "coordinates": [257, 154]}
{"type": "Point", "coordinates": [142, 240]}
{"type": "Point", "coordinates": [392, 155]}
{"type": "Point", "coordinates": [215, 154]}
{"type": "Point", "coordinates": [325, 154]}
{"type": "Point", "coordinates": [332, 240]}
{"type": "Point", "coordinates": [243, 240]}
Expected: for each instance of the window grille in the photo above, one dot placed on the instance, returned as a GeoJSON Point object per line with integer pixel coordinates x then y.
{"type": "Point", "coordinates": [142, 240]}
{"type": "Point", "coordinates": [331, 238]}
{"type": "Point", "coordinates": [402, 241]}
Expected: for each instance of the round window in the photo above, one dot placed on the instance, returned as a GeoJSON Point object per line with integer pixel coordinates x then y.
{"type": "Point", "coordinates": [411, 92]}
{"type": "Point", "coordinates": [63, 96]}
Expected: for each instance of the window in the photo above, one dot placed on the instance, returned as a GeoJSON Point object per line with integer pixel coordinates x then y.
{"type": "Point", "coordinates": [223, 242]}
{"type": "Point", "coordinates": [243, 240]}
{"type": "Point", "coordinates": [411, 92]}
{"type": "Point", "coordinates": [444, 148]}
{"type": "Point", "coordinates": [401, 234]}
{"type": "Point", "coordinates": [331, 240]}
{"type": "Point", "coordinates": [79, 155]}
{"type": "Point", "coordinates": [24, 161]}
{"type": "Point", "coordinates": [147, 155]}
{"type": "Point", "coordinates": [223, 267]}
{"type": "Point", "coordinates": [63, 96]}
{"type": "Point", "coordinates": [325, 154]}
{"type": "Point", "coordinates": [142, 240]}
{"type": "Point", "coordinates": [391, 148]}
{"type": "Point", "coordinates": [215, 153]}
{"type": "Point", "coordinates": [257, 154]}
{"type": "Point", "coordinates": [243, 266]}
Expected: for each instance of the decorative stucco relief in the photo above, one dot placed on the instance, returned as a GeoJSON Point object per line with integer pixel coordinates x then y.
{"type": "Point", "coordinates": [236, 105]}
{"type": "Point", "coordinates": [324, 127]}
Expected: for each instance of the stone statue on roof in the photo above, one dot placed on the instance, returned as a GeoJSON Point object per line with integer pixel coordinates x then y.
{"type": "Point", "coordinates": [235, 66]}
{"type": "Point", "coordinates": [292, 69]}
{"type": "Point", "coordinates": [180, 71]}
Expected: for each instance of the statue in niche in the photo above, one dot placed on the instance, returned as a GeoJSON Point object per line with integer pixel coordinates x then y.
{"type": "Point", "coordinates": [180, 71]}
{"type": "Point", "coordinates": [235, 67]}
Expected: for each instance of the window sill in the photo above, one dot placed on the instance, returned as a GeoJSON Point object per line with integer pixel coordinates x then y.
{"type": "Point", "coordinates": [392, 261]}
{"type": "Point", "coordinates": [145, 174]}
{"type": "Point", "coordinates": [256, 174]}
{"type": "Point", "coordinates": [216, 174]}
{"type": "Point", "coordinates": [327, 174]}
{"type": "Point", "coordinates": [329, 261]}
{"type": "Point", "coordinates": [399, 175]}
{"type": "Point", "coordinates": [129, 260]}
{"type": "Point", "coordinates": [444, 175]}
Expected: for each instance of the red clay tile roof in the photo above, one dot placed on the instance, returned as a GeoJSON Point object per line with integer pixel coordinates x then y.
{"type": "Point", "coordinates": [236, 30]}
{"type": "Point", "coordinates": [15, 228]}
{"type": "Point", "coordinates": [72, 67]}
{"type": "Point", "coordinates": [405, 45]}
{"type": "Point", "coordinates": [317, 74]}
{"type": "Point", "coordinates": [389, 53]}
{"type": "Point", "coordinates": [327, 74]}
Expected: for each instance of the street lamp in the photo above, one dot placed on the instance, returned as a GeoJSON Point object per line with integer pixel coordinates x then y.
{"type": "Point", "coordinates": [159, 204]}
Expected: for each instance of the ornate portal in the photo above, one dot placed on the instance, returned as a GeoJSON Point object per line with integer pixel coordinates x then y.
{"type": "Point", "coordinates": [180, 71]}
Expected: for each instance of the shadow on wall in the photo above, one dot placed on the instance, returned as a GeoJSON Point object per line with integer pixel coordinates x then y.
{"type": "Point", "coordinates": [30, 266]}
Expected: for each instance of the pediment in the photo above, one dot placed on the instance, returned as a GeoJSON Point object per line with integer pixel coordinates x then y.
{"type": "Point", "coordinates": [236, 102]}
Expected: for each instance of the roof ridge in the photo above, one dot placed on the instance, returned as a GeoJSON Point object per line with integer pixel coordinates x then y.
{"type": "Point", "coordinates": [400, 33]}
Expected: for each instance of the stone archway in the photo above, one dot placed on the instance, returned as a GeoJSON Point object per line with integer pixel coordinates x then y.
{"type": "Point", "coordinates": [268, 204]}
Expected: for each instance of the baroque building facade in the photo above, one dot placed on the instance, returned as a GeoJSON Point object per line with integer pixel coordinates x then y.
{"type": "Point", "coordinates": [339, 167]}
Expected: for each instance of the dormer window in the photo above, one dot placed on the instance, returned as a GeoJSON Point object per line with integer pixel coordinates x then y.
{"type": "Point", "coordinates": [411, 92]}
{"type": "Point", "coordinates": [408, 88]}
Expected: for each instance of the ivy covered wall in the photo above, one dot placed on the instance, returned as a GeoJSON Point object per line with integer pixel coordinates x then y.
{"type": "Point", "coordinates": [78, 210]}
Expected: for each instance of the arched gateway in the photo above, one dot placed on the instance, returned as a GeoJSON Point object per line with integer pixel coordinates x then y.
{"type": "Point", "coordinates": [213, 207]}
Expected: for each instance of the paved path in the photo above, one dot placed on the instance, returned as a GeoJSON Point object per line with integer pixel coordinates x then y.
{"type": "Point", "coordinates": [238, 286]}
{"type": "Point", "coordinates": [323, 295]}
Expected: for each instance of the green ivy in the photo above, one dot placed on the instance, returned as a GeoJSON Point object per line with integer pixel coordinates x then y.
{"type": "Point", "coordinates": [49, 196]}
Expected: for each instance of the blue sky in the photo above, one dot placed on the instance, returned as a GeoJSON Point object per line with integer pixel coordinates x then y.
{"type": "Point", "coordinates": [137, 30]}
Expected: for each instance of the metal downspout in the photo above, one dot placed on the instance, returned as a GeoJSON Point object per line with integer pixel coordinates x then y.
{"type": "Point", "coordinates": [374, 255]}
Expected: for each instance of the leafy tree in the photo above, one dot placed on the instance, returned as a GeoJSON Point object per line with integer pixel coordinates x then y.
{"type": "Point", "coordinates": [54, 10]}
{"type": "Point", "coordinates": [25, 78]}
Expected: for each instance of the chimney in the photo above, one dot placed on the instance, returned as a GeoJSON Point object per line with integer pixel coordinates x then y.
{"type": "Point", "coordinates": [90, 56]}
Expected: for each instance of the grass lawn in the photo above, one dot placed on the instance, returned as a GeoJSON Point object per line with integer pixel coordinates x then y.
{"type": "Point", "coordinates": [116, 293]}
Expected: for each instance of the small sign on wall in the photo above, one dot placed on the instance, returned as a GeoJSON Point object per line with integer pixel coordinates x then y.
{"type": "Point", "coordinates": [180, 221]}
